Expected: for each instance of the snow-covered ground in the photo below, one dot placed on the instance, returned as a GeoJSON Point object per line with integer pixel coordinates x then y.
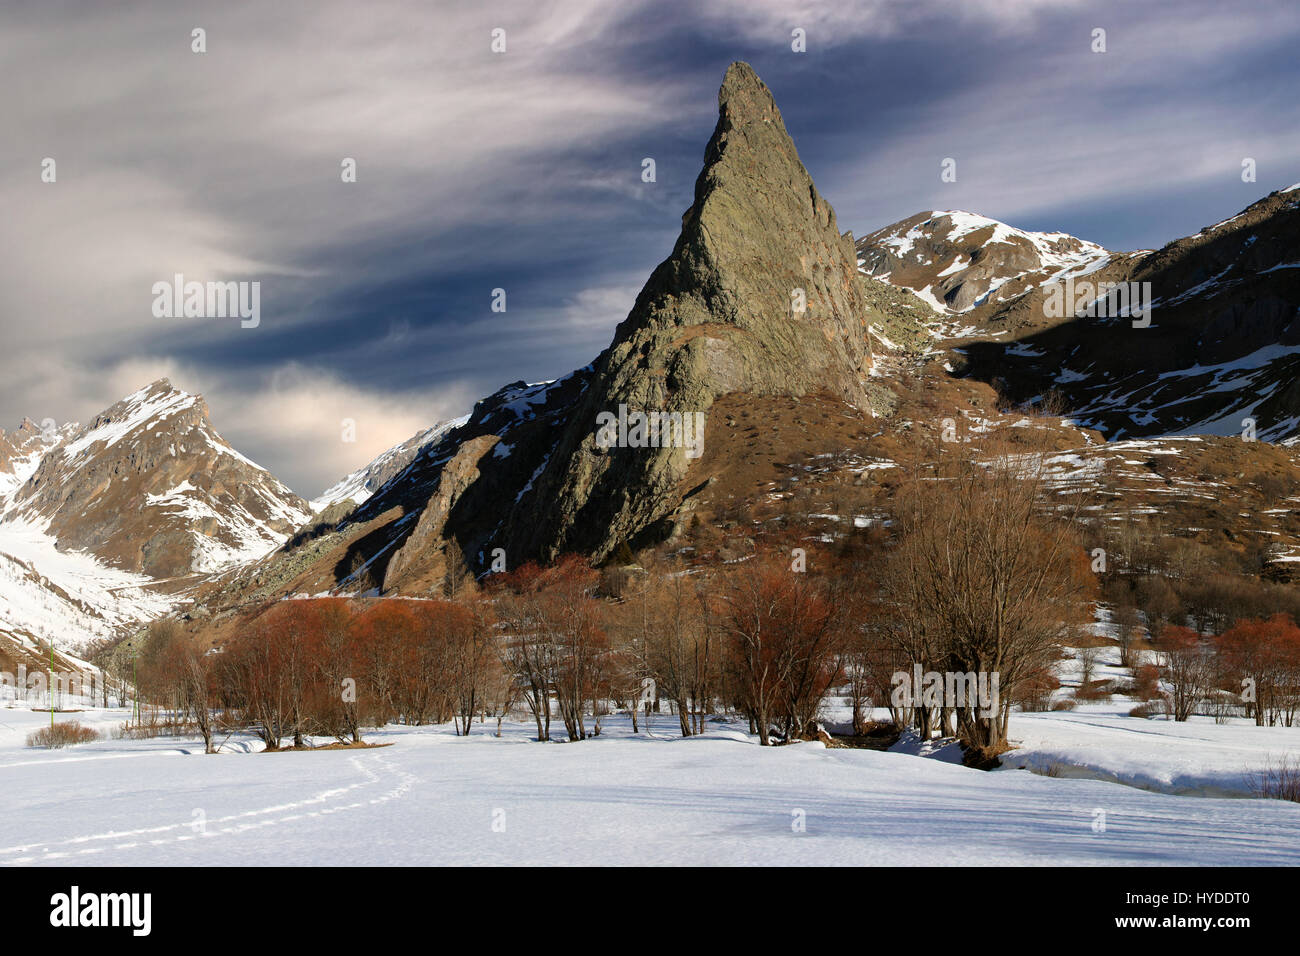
{"type": "Point", "coordinates": [433, 798]}
{"type": "Point", "coordinates": [1100, 741]}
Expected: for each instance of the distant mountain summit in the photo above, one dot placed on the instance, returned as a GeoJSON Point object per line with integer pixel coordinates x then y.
{"type": "Point", "coordinates": [956, 260]}
{"type": "Point", "coordinates": [107, 526]}
{"type": "Point", "coordinates": [150, 486]}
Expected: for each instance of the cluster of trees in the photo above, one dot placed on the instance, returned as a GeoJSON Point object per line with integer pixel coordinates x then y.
{"type": "Point", "coordinates": [1221, 628]}
{"type": "Point", "coordinates": [1180, 581]}
{"type": "Point", "coordinates": [554, 645]}
{"type": "Point", "coordinates": [756, 637]}
{"type": "Point", "coordinates": [985, 570]}
{"type": "Point", "coordinates": [329, 667]}
{"type": "Point", "coordinates": [1253, 665]}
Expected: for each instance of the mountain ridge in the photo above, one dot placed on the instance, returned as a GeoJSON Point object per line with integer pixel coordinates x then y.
{"type": "Point", "coordinates": [797, 343]}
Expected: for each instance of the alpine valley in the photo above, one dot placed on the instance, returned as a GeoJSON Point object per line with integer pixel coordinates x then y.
{"type": "Point", "coordinates": [934, 323]}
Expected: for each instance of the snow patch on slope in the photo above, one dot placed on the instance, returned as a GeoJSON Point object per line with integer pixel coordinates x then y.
{"type": "Point", "coordinates": [66, 596]}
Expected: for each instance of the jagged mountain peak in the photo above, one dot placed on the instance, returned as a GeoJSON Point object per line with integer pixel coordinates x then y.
{"type": "Point", "coordinates": [153, 406]}
{"type": "Point", "coordinates": [748, 118]}
{"type": "Point", "coordinates": [150, 486]}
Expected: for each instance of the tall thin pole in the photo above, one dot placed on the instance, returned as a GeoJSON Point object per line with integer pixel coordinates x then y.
{"type": "Point", "coordinates": [51, 685]}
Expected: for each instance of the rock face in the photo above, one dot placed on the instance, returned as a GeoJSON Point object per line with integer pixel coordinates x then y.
{"type": "Point", "coordinates": [722, 314]}
{"type": "Point", "coordinates": [456, 476]}
{"type": "Point", "coordinates": [454, 492]}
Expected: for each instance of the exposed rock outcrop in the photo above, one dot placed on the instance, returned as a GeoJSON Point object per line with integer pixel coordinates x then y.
{"type": "Point", "coordinates": [457, 475]}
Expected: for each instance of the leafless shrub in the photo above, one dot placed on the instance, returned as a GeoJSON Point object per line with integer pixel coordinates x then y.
{"type": "Point", "coordinates": [1087, 664]}
{"type": "Point", "coordinates": [1279, 779]}
{"type": "Point", "coordinates": [67, 734]}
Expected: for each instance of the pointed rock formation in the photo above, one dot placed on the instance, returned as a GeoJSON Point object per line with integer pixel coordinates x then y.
{"type": "Point", "coordinates": [759, 296]}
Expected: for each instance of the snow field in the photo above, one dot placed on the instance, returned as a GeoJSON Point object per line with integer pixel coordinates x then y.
{"type": "Point", "coordinates": [433, 798]}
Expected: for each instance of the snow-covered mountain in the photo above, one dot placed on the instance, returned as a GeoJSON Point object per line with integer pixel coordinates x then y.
{"type": "Point", "coordinates": [103, 526]}
{"type": "Point", "coordinates": [957, 261]}
{"type": "Point", "coordinates": [150, 486]}
{"type": "Point", "coordinates": [108, 526]}
{"type": "Point", "coordinates": [1218, 353]}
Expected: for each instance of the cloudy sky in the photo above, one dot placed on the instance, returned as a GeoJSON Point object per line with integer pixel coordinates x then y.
{"type": "Point", "coordinates": [521, 170]}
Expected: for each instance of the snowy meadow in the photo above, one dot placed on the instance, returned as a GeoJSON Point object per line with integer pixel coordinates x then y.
{"type": "Point", "coordinates": [1109, 790]}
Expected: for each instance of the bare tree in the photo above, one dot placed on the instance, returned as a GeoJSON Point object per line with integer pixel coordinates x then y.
{"type": "Point", "coordinates": [177, 671]}
{"type": "Point", "coordinates": [781, 641]}
{"type": "Point", "coordinates": [1188, 669]}
{"type": "Point", "coordinates": [665, 631]}
{"type": "Point", "coordinates": [1087, 665]}
{"type": "Point", "coordinates": [1127, 630]}
{"type": "Point", "coordinates": [986, 575]}
{"type": "Point", "coordinates": [473, 658]}
{"type": "Point", "coordinates": [456, 578]}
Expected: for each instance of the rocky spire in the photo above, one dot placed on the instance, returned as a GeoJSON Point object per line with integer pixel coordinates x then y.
{"type": "Point", "coordinates": [759, 296]}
